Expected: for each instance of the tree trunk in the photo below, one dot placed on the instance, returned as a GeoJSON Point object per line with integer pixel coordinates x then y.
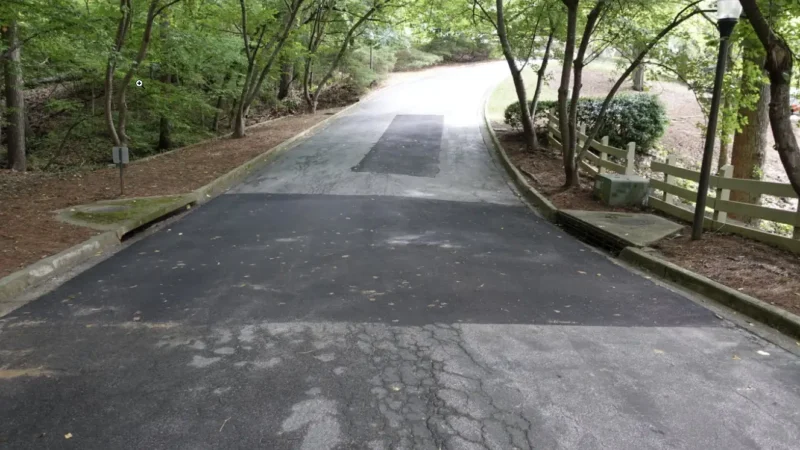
{"type": "Point", "coordinates": [239, 122]}
{"type": "Point", "coordinates": [779, 66]}
{"type": "Point", "coordinates": [750, 145]}
{"type": "Point", "coordinates": [122, 120]}
{"type": "Point", "coordinates": [571, 144]}
{"type": "Point", "coordinates": [563, 89]}
{"type": "Point", "coordinates": [516, 75]}
{"type": "Point", "coordinates": [638, 78]}
{"type": "Point", "coordinates": [285, 83]}
{"type": "Point", "coordinates": [15, 100]}
{"type": "Point", "coordinates": [165, 127]}
{"type": "Point", "coordinates": [540, 76]}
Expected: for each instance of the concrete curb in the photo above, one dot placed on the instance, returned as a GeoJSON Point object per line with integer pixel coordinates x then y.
{"type": "Point", "coordinates": [545, 207]}
{"type": "Point", "coordinates": [16, 283]}
{"type": "Point", "coordinates": [777, 318]}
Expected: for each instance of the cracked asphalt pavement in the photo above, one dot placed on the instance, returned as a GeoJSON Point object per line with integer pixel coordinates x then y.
{"type": "Point", "coordinates": [380, 286]}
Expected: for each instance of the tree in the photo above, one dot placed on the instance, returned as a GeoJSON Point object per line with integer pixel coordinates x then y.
{"type": "Point", "coordinates": [517, 63]}
{"type": "Point", "coordinates": [118, 131]}
{"type": "Point", "coordinates": [351, 16]}
{"type": "Point", "coordinates": [684, 14]}
{"type": "Point", "coordinates": [779, 65]}
{"type": "Point", "coordinates": [15, 100]}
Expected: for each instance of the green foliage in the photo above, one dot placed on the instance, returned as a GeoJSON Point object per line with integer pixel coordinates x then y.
{"type": "Point", "coordinates": [639, 118]}
{"type": "Point", "coordinates": [413, 59]}
{"type": "Point", "coordinates": [635, 118]}
{"type": "Point", "coordinates": [461, 47]}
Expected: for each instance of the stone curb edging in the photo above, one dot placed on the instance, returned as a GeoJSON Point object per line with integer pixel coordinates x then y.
{"type": "Point", "coordinates": [16, 283]}
{"type": "Point", "coordinates": [777, 318]}
{"type": "Point", "coordinates": [545, 207]}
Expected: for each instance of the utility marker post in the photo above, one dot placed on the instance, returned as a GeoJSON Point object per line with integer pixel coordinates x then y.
{"type": "Point", "coordinates": [120, 155]}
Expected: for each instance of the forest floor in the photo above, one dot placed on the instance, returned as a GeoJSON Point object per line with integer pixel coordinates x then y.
{"type": "Point", "coordinates": [31, 231]}
{"type": "Point", "coordinates": [751, 267]}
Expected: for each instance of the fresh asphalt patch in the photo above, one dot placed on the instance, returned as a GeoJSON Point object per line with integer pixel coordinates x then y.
{"type": "Point", "coordinates": [410, 146]}
{"type": "Point", "coordinates": [286, 257]}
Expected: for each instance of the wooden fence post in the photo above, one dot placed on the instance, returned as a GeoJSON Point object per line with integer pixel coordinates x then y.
{"type": "Point", "coordinates": [672, 160]}
{"type": "Point", "coordinates": [723, 194]}
{"type": "Point", "coordinates": [796, 231]}
{"type": "Point", "coordinates": [631, 159]}
{"type": "Point", "coordinates": [603, 155]}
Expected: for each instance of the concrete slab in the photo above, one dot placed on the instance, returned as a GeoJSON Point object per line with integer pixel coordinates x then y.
{"type": "Point", "coordinates": [636, 229]}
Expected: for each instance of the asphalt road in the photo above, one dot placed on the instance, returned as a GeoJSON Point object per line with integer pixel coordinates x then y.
{"type": "Point", "coordinates": [381, 286]}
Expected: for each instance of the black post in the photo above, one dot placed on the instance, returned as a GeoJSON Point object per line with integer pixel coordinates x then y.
{"type": "Point", "coordinates": [726, 27]}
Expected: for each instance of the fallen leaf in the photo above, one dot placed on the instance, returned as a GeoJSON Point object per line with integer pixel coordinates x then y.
{"type": "Point", "coordinates": [762, 353]}
{"type": "Point", "coordinates": [736, 358]}
{"type": "Point", "coordinates": [582, 272]}
{"type": "Point", "coordinates": [68, 436]}
{"type": "Point", "coordinates": [657, 351]}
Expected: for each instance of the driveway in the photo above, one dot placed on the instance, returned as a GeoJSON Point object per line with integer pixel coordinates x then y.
{"type": "Point", "coordinates": [380, 286]}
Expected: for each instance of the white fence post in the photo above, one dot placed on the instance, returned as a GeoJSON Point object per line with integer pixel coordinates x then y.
{"type": "Point", "coordinates": [668, 198]}
{"type": "Point", "coordinates": [796, 231]}
{"type": "Point", "coordinates": [631, 159]}
{"type": "Point", "coordinates": [603, 155]}
{"type": "Point", "coordinates": [723, 194]}
{"type": "Point", "coordinates": [581, 130]}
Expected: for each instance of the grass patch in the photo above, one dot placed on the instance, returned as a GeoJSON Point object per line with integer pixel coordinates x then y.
{"type": "Point", "coordinates": [120, 210]}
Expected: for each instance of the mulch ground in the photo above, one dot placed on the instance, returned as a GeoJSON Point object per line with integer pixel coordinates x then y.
{"type": "Point", "coordinates": [757, 269]}
{"type": "Point", "coordinates": [30, 231]}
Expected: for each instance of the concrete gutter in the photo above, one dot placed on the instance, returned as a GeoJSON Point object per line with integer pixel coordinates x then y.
{"type": "Point", "coordinates": [777, 318]}
{"type": "Point", "coordinates": [542, 203]}
{"type": "Point", "coordinates": [754, 308]}
{"type": "Point", "coordinates": [15, 284]}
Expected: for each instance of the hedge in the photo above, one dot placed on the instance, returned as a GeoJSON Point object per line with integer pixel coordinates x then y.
{"type": "Point", "coordinates": [639, 118]}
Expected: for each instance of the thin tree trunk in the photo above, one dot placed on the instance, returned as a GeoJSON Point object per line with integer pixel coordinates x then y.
{"type": "Point", "coordinates": [516, 75]}
{"type": "Point", "coordinates": [571, 170]}
{"type": "Point", "coordinates": [540, 77]}
{"type": "Point", "coordinates": [111, 67]}
{"type": "Point", "coordinates": [221, 101]}
{"type": "Point", "coordinates": [122, 119]}
{"type": "Point", "coordinates": [563, 89]}
{"type": "Point", "coordinates": [750, 144]}
{"type": "Point", "coordinates": [285, 83]}
{"type": "Point", "coordinates": [638, 78]}
{"type": "Point", "coordinates": [165, 127]}
{"type": "Point", "coordinates": [15, 100]}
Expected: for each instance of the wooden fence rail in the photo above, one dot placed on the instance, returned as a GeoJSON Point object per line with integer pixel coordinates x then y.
{"type": "Point", "coordinates": [601, 162]}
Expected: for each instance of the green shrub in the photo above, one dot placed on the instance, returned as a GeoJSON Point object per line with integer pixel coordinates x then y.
{"type": "Point", "coordinates": [413, 59]}
{"type": "Point", "coordinates": [639, 118]}
{"type": "Point", "coordinates": [513, 116]}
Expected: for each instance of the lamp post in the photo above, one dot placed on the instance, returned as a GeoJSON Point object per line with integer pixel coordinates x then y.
{"type": "Point", "coordinates": [728, 12]}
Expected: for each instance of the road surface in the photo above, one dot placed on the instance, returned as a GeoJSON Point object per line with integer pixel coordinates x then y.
{"type": "Point", "coordinates": [380, 286]}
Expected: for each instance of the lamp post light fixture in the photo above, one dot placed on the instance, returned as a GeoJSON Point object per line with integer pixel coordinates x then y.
{"type": "Point", "coordinates": [728, 12]}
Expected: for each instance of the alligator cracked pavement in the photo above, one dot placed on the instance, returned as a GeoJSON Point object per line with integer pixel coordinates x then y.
{"type": "Point", "coordinates": [380, 286]}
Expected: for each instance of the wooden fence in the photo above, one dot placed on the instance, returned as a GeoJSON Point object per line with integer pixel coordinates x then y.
{"type": "Point", "coordinates": [596, 163]}
{"type": "Point", "coordinates": [720, 205]}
